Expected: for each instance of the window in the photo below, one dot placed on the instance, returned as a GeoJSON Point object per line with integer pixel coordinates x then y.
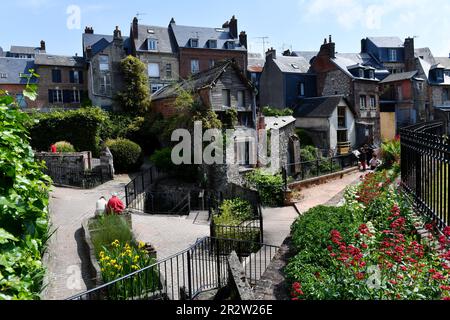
{"type": "Point", "coordinates": [153, 70]}
{"type": "Point", "coordinates": [194, 43]}
{"type": "Point", "coordinates": [392, 55]}
{"type": "Point", "coordinates": [231, 45]}
{"type": "Point", "coordinates": [420, 86]}
{"type": "Point", "coordinates": [362, 102]}
{"type": "Point", "coordinates": [3, 75]}
{"type": "Point", "coordinates": [241, 99]}
{"type": "Point", "coordinates": [372, 74]}
{"type": "Point", "coordinates": [156, 87]}
{"type": "Point", "coordinates": [361, 73]}
{"type": "Point", "coordinates": [226, 99]}
{"type": "Point", "coordinates": [152, 45]}
{"type": "Point", "coordinates": [55, 96]}
{"type": "Point", "coordinates": [76, 96]}
{"type": "Point", "coordinates": [440, 75]}
{"type": "Point", "coordinates": [195, 66]}
{"type": "Point", "coordinates": [373, 103]}
{"type": "Point", "coordinates": [446, 95]}
{"type": "Point", "coordinates": [212, 63]}
{"type": "Point", "coordinates": [212, 44]}
{"type": "Point", "coordinates": [342, 136]}
{"type": "Point", "coordinates": [245, 119]}
{"type": "Point", "coordinates": [243, 153]}
{"type": "Point", "coordinates": [105, 85]}
{"type": "Point", "coordinates": [104, 63]}
{"type": "Point", "coordinates": [301, 89]}
{"type": "Point", "coordinates": [168, 70]}
{"type": "Point", "coordinates": [76, 77]}
{"type": "Point", "coordinates": [56, 76]}
{"type": "Point", "coordinates": [21, 100]}
{"type": "Point", "coordinates": [342, 117]}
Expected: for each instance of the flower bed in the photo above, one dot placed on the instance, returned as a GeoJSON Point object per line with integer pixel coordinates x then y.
{"type": "Point", "coordinates": [370, 249]}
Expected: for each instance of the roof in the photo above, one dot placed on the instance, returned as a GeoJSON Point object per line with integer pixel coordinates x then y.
{"type": "Point", "coordinates": [99, 42]}
{"type": "Point", "coordinates": [426, 54]}
{"type": "Point", "coordinates": [255, 62]}
{"type": "Point", "coordinates": [400, 76]}
{"type": "Point", "coordinates": [161, 34]}
{"type": "Point", "coordinates": [427, 67]}
{"type": "Point", "coordinates": [64, 61]}
{"type": "Point", "coordinates": [387, 42]}
{"type": "Point", "coordinates": [13, 67]}
{"type": "Point", "coordinates": [346, 62]}
{"type": "Point", "coordinates": [184, 33]}
{"type": "Point", "coordinates": [198, 81]}
{"type": "Point", "coordinates": [292, 64]}
{"type": "Point", "coordinates": [321, 107]}
{"type": "Point", "coordinates": [308, 55]}
{"type": "Point", "coordinates": [276, 123]}
{"type": "Point", "coordinates": [25, 50]}
{"type": "Point", "coordinates": [444, 61]}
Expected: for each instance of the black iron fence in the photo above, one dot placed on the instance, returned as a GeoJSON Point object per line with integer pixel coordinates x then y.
{"type": "Point", "coordinates": [425, 165]}
{"type": "Point", "coordinates": [140, 184]}
{"type": "Point", "coordinates": [202, 267]}
{"type": "Point", "coordinates": [162, 203]}
{"type": "Point", "coordinates": [89, 179]}
{"type": "Point", "coordinates": [300, 171]}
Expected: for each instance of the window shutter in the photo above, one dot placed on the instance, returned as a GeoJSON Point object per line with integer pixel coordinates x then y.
{"type": "Point", "coordinates": [50, 96]}
{"type": "Point", "coordinates": [80, 75]}
{"type": "Point", "coordinates": [72, 76]}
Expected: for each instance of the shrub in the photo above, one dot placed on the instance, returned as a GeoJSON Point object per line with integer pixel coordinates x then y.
{"type": "Point", "coordinates": [127, 155]}
{"type": "Point", "coordinates": [64, 147]}
{"type": "Point", "coordinates": [80, 127]}
{"type": "Point", "coordinates": [234, 212]}
{"type": "Point", "coordinates": [273, 112]}
{"type": "Point", "coordinates": [391, 152]}
{"type": "Point", "coordinates": [107, 229]}
{"type": "Point", "coordinates": [162, 159]}
{"type": "Point", "coordinates": [270, 187]}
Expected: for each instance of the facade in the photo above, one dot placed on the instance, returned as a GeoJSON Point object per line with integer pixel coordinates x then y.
{"type": "Point", "coordinates": [284, 80]}
{"type": "Point", "coordinates": [103, 54]}
{"type": "Point", "coordinates": [62, 81]}
{"type": "Point", "coordinates": [12, 81]}
{"type": "Point", "coordinates": [329, 121]}
{"type": "Point", "coordinates": [199, 48]}
{"type": "Point", "coordinates": [255, 67]}
{"type": "Point", "coordinates": [349, 75]}
{"type": "Point", "coordinates": [156, 49]}
{"type": "Point", "coordinates": [402, 102]}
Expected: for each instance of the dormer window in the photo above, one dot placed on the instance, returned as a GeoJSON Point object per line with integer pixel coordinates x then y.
{"type": "Point", "coordinates": [3, 75]}
{"type": "Point", "coordinates": [371, 74]}
{"type": "Point", "coordinates": [361, 73]}
{"type": "Point", "coordinates": [392, 55]}
{"type": "Point", "coordinates": [194, 43]}
{"type": "Point", "coordinates": [212, 44]}
{"type": "Point", "coordinates": [152, 44]}
{"type": "Point", "coordinates": [440, 75]}
{"type": "Point", "coordinates": [231, 45]}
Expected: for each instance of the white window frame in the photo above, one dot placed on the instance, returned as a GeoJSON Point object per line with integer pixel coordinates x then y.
{"type": "Point", "coordinates": [226, 94]}
{"type": "Point", "coordinates": [154, 87]}
{"type": "Point", "coordinates": [58, 96]}
{"type": "Point", "coordinates": [363, 102]}
{"type": "Point", "coordinates": [105, 85]}
{"type": "Point", "coordinates": [154, 71]}
{"type": "Point", "coordinates": [241, 99]}
{"type": "Point", "coordinates": [195, 66]}
{"type": "Point", "coordinates": [302, 89]}
{"type": "Point", "coordinates": [372, 102]}
{"type": "Point", "coordinates": [393, 55]}
{"type": "Point", "coordinates": [195, 41]}
{"type": "Point", "coordinates": [103, 65]}
{"type": "Point", "coordinates": [76, 76]}
{"type": "Point", "coordinates": [152, 44]}
{"type": "Point", "coordinates": [76, 98]}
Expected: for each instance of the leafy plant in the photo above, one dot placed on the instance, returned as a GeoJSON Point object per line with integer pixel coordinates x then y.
{"type": "Point", "coordinates": [273, 112]}
{"type": "Point", "coordinates": [127, 154]}
{"type": "Point", "coordinates": [106, 229]}
{"type": "Point", "coordinates": [390, 152]}
{"type": "Point", "coordinates": [64, 147]}
{"type": "Point", "coordinates": [234, 212]}
{"type": "Point", "coordinates": [270, 187]}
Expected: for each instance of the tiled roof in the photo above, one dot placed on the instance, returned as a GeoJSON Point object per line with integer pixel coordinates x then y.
{"type": "Point", "coordinates": [25, 50]}
{"type": "Point", "coordinates": [13, 67]}
{"type": "Point", "coordinates": [426, 54]}
{"type": "Point", "coordinates": [387, 42]}
{"type": "Point", "coordinates": [54, 60]}
{"type": "Point", "coordinates": [183, 34]}
{"type": "Point", "coordinates": [164, 43]}
{"type": "Point", "coordinates": [292, 64]}
{"type": "Point", "coordinates": [444, 61]}
{"type": "Point", "coordinates": [399, 77]}
{"type": "Point", "coordinates": [321, 107]}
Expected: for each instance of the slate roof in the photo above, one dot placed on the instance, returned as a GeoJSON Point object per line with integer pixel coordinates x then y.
{"type": "Point", "coordinates": [277, 123]}
{"type": "Point", "coordinates": [161, 34]}
{"type": "Point", "coordinates": [292, 64]}
{"type": "Point", "coordinates": [387, 42]}
{"type": "Point", "coordinates": [184, 33]}
{"type": "Point", "coordinates": [426, 67]}
{"type": "Point", "coordinates": [426, 54]}
{"type": "Point", "coordinates": [199, 81]}
{"type": "Point", "coordinates": [25, 50]}
{"type": "Point", "coordinates": [308, 55]}
{"type": "Point", "coordinates": [13, 67]}
{"type": "Point", "coordinates": [444, 61]}
{"type": "Point", "coordinates": [321, 107]}
{"type": "Point", "coordinates": [255, 62]}
{"type": "Point", "coordinates": [99, 42]}
{"type": "Point", "coordinates": [64, 61]}
{"type": "Point", "coordinates": [400, 76]}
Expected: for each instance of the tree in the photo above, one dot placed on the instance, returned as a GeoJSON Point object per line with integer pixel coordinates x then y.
{"type": "Point", "coordinates": [135, 97]}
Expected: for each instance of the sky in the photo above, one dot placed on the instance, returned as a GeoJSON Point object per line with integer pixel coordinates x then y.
{"type": "Point", "coordinates": [289, 24]}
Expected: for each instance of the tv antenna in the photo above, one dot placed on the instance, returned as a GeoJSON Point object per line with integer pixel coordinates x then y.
{"type": "Point", "coordinates": [264, 41]}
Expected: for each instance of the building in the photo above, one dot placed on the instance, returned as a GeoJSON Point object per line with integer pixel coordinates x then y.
{"type": "Point", "coordinates": [330, 121]}
{"type": "Point", "coordinates": [200, 48]}
{"type": "Point", "coordinates": [103, 54]}
{"type": "Point", "coordinates": [13, 72]}
{"type": "Point", "coordinates": [62, 81]}
{"type": "Point", "coordinates": [402, 102]}
{"type": "Point", "coordinates": [23, 52]}
{"type": "Point", "coordinates": [156, 49]}
{"type": "Point", "coordinates": [354, 77]}
{"type": "Point", "coordinates": [255, 67]}
{"type": "Point", "coordinates": [284, 80]}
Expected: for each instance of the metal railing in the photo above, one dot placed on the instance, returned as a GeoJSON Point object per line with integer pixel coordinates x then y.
{"type": "Point", "coordinates": [184, 276]}
{"type": "Point", "coordinates": [162, 203]}
{"type": "Point", "coordinates": [300, 171]}
{"type": "Point", "coordinates": [89, 179]}
{"type": "Point", "coordinates": [140, 184]}
{"type": "Point", "coordinates": [425, 166]}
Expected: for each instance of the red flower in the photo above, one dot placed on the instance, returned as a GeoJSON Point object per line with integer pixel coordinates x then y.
{"type": "Point", "coordinates": [447, 231]}
{"type": "Point", "coordinates": [360, 276]}
{"type": "Point", "coordinates": [438, 276]}
{"type": "Point", "coordinates": [364, 246]}
{"type": "Point", "coordinates": [445, 288]}
{"type": "Point", "coordinates": [393, 282]}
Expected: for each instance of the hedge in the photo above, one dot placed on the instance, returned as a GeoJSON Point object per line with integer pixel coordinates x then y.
{"type": "Point", "coordinates": [127, 155]}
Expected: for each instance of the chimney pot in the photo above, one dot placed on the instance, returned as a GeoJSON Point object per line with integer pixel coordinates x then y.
{"type": "Point", "coordinates": [233, 25]}
{"type": "Point", "coordinates": [43, 47]}
{"type": "Point", "coordinates": [135, 28]}
{"type": "Point", "coordinates": [330, 39]}
{"type": "Point", "coordinates": [89, 30]}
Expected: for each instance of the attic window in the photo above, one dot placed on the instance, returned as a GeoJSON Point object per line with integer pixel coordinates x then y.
{"type": "Point", "coordinates": [212, 44]}
{"type": "Point", "coordinates": [3, 75]}
{"type": "Point", "coordinates": [361, 73]}
{"type": "Point", "coordinates": [194, 43]}
{"type": "Point", "coordinates": [152, 44]}
{"type": "Point", "coordinates": [231, 45]}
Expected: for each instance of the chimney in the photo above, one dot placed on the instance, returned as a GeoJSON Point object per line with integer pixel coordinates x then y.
{"type": "Point", "coordinates": [410, 59]}
{"type": "Point", "coordinates": [363, 45]}
{"type": "Point", "coordinates": [243, 39]}
{"type": "Point", "coordinates": [135, 28]}
{"type": "Point", "coordinates": [172, 21]}
{"type": "Point", "coordinates": [226, 25]}
{"type": "Point", "coordinates": [271, 53]}
{"type": "Point", "coordinates": [89, 30]}
{"type": "Point", "coordinates": [234, 27]}
{"type": "Point", "coordinates": [328, 49]}
{"type": "Point", "coordinates": [43, 48]}
{"type": "Point", "coordinates": [287, 53]}
{"type": "Point", "coordinates": [117, 34]}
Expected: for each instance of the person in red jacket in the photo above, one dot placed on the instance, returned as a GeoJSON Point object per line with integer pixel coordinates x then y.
{"type": "Point", "coordinates": [115, 205]}
{"type": "Point", "coordinates": [53, 149]}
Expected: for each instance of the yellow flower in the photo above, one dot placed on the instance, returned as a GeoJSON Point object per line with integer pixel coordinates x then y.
{"type": "Point", "coordinates": [135, 267]}
{"type": "Point", "coordinates": [113, 262]}
{"type": "Point", "coordinates": [141, 245]}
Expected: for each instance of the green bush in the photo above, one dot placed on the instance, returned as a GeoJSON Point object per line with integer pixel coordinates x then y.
{"type": "Point", "coordinates": [273, 112]}
{"type": "Point", "coordinates": [234, 212]}
{"type": "Point", "coordinates": [127, 155]}
{"type": "Point", "coordinates": [270, 187]}
{"type": "Point", "coordinates": [24, 199]}
{"type": "Point", "coordinates": [305, 138]}
{"type": "Point", "coordinates": [115, 126]}
{"type": "Point", "coordinates": [107, 229]}
{"type": "Point", "coordinates": [162, 159]}
{"type": "Point", "coordinates": [391, 152]}
{"type": "Point", "coordinates": [64, 147]}
{"type": "Point", "coordinates": [80, 127]}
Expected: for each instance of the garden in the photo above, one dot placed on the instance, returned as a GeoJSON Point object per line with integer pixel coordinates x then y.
{"type": "Point", "coordinates": [374, 247]}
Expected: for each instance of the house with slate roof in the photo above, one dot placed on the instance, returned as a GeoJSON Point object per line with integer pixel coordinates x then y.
{"type": "Point", "coordinates": [157, 50]}
{"type": "Point", "coordinates": [284, 80]}
{"type": "Point", "coordinates": [24, 52]}
{"type": "Point", "coordinates": [12, 81]}
{"type": "Point", "coordinates": [200, 48]}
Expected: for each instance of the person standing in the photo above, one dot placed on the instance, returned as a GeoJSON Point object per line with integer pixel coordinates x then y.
{"type": "Point", "coordinates": [53, 148]}
{"type": "Point", "coordinates": [101, 207]}
{"type": "Point", "coordinates": [115, 205]}
{"type": "Point", "coordinates": [363, 158]}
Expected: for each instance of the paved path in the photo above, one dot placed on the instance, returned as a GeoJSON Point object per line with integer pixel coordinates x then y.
{"type": "Point", "coordinates": [65, 259]}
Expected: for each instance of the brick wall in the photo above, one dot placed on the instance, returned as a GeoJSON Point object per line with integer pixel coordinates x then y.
{"type": "Point", "coordinates": [15, 89]}
{"type": "Point", "coordinates": [166, 107]}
